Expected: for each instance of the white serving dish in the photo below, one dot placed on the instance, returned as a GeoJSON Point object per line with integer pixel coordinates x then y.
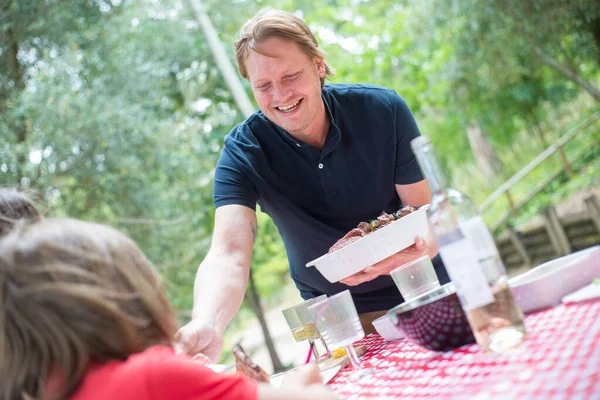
{"type": "Point", "coordinates": [589, 292]}
{"type": "Point", "coordinates": [545, 285]}
{"type": "Point", "coordinates": [386, 329]}
{"type": "Point", "coordinates": [374, 247]}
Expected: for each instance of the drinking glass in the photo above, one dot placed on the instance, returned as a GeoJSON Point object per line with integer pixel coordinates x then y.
{"type": "Point", "coordinates": [415, 278]}
{"type": "Point", "coordinates": [338, 322]}
{"type": "Point", "coordinates": [303, 327]}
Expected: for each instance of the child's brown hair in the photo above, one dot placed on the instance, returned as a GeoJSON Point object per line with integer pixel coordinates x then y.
{"type": "Point", "coordinates": [72, 292]}
{"type": "Point", "coordinates": [15, 206]}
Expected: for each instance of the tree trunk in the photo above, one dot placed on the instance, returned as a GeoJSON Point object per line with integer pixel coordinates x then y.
{"type": "Point", "coordinates": [254, 301]}
{"type": "Point", "coordinates": [483, 151]}
{"type": "Point", "coordinates": [19, 125]}
{"type": "Point", "coordinates": [230, 76]}
{"type": "Point", "coordinates": [569, 73]}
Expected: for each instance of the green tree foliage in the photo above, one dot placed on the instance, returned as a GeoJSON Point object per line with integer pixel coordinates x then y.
{"type": "Point", "coordinates": [122, 124]}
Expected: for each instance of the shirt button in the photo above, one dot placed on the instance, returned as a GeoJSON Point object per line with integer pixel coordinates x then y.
{"type": "Point", "coordinates": [320, 166]}
{"type": "Point", "coordinates": [298, 144]}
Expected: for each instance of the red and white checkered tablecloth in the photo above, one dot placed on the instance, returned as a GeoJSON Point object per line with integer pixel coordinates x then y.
{"type": "Point", "coordinates": [560, 359]}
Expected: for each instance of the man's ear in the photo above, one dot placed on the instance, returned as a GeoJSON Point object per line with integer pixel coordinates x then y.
{"type": "Point", "coordinates": [320, 67]}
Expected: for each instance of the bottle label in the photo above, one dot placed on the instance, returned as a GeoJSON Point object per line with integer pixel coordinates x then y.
{"type": "Point", "coordinates": [465, 272]}
{"type": "Point", "coordinates": [478, 234]}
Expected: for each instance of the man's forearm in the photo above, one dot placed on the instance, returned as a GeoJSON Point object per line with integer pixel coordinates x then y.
{"type": "Point", "coordinates": [219, 289]}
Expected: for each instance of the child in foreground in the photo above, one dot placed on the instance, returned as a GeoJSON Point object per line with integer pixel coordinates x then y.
{"type": "Point", "coordinates": [83, 315]}
{"type": "Point", "coordinates": [15, 207]}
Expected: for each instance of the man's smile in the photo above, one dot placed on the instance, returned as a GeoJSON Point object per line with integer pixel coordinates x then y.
{"type": "Point", "coordinates": [289, 107]}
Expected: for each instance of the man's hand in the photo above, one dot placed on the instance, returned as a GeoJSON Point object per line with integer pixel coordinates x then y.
{"type": "Point", "coordinates": [384, 267]}
{"type": "Point", "coordinates": [199, 337]}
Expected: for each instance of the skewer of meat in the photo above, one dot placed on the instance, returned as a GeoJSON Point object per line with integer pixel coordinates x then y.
{"type": "Point", "coordinates": [247, 367]}
{"type": "Point", "coordinates": [364, 228]}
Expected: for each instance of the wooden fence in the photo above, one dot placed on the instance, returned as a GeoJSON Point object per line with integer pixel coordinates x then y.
{"type": "Point", "coordinates": [552, 237]}
{"type": "Point", "coordinates": [515, 204]}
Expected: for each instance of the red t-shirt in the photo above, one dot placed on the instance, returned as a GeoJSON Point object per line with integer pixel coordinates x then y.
{"type": "Point", "coordinates": [158, 373]}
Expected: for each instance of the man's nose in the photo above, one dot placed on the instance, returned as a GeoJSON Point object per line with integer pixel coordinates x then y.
{"type": "Point", "coordinates": [281, 92]}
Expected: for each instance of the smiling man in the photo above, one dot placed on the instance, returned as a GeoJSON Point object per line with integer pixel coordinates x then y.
{"type": "Point", "coordinates": [318, 159]}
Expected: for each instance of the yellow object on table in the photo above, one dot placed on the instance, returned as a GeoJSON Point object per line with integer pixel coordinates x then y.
{"type": "Point", "coordinates": [339, 353]}
{"type": "Point", "coordinates": [342, 360]}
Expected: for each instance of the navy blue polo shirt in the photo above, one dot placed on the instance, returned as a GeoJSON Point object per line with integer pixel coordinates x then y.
{"type": "Point", "coordinates": [316, 196]}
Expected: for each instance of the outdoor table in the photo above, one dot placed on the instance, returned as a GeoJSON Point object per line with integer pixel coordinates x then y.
{"type": "Point", "coordinates": [559, 359]}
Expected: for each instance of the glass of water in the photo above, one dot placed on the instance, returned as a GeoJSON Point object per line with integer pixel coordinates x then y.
{"type": "Point", "coordinates": [302, 325]}
{"type": "Point", "coordinates": [415, 278]}
{"type": "Point", "coordinates": [338, 322]}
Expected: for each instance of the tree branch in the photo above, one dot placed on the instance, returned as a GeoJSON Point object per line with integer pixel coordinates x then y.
{"type": "Point", "coordinates": [569, 73]}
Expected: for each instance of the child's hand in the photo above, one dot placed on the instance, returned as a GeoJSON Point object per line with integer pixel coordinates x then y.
{"type": "Point", "coordinates": [202, 359]}
{"type": "Point", "coordinates": [304, 376]}
{"type": "Point", "coordinates": [305, 383]}
{"type": "Point", "coordinates": [302, 384]}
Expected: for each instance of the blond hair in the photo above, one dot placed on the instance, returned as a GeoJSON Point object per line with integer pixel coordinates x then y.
{"type": "Point", "coordinates": [277, 23]}
{"type": "Point", "coordinates": [73, 292]}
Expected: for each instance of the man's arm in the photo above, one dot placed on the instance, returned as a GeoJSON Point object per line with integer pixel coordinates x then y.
{"type": "Point", "coordinates": [415, 194]}
{"type": "Point", "coordinates": [418, 194]}
{"type": "Point", "coordinates": [221, 281]}
{"type": "Point", "coordinates": [223, 275]}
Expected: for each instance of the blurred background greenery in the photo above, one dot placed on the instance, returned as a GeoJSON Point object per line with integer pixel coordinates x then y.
{"type": "Point", "coordinates": [114, 110]}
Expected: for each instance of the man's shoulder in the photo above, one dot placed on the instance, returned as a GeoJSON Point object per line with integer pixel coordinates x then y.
{"type": "Point", "coordinates": [361, 92]}
{"type": "Point", "coordinates": [244, 132]}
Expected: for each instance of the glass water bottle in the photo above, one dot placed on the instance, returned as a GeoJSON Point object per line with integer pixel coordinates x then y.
{"type": "Point", "coordinates": [471, 258]}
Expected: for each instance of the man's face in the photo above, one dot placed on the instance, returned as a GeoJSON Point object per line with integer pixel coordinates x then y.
{"type": "Point", "coordinates": [286, 84]}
